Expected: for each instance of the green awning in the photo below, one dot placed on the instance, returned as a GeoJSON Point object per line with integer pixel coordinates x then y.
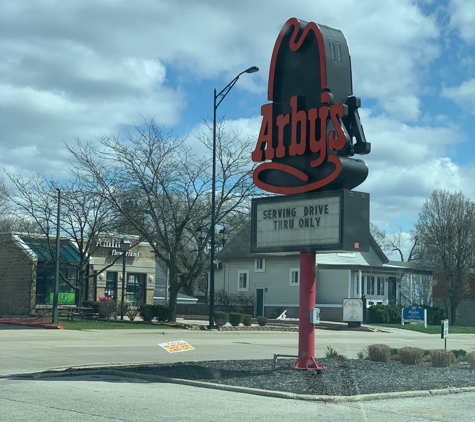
{"type": "Point", "coordinates": [68, 253]}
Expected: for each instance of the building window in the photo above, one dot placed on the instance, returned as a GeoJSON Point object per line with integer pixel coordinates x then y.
{"type": "Point", "coordinates": [380, 286]}
{"type": "Point", "coordinates": [243, 281]}
{"type": "Point", "coordinates": [135, 290]}
{"type": "Point", "coordinates": [111, 285]}
{"type": "Point", "coordinates": [260, 265]}
{"type": "Point", "coordinates": [370, 286]}
{"type": "Point", "coordinates": [294, 277]}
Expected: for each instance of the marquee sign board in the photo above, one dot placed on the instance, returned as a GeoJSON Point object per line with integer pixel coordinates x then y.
{"type": "Point", "coordinates": [312, 127]}
{"type": "Point", "coordinates": [319, 221]}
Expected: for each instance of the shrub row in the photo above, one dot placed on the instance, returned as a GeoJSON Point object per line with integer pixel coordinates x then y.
{"type": "Point", "coordinates": [107, 309]}
{"type": "Point", "coordinates": [149, 312]}
{"type": "Point", "coordinates": [385, 314]}
{"type": "Point", "coordinates": [415, 355]}
{"type": "Point", "coordinates": [391, 314]}
{"type": "Point", "coordinates": [236, 318]}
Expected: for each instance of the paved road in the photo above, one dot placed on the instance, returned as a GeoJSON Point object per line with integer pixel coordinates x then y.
{"type": "Point", "coordinates": [105, 398]}
{"type": "Point", "coordinates": [108, 398]}
{"type": "Point", "coordinates": [33, 350]}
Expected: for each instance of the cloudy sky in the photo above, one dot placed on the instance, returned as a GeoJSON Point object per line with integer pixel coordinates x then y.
{"type": "Point", "coordinates": [84, 68]}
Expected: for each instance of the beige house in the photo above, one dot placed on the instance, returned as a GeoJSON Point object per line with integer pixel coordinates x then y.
{"type": "Point", "coordinates": [27, 273]}
{"type": "Point", "coordinates": [107, 265]}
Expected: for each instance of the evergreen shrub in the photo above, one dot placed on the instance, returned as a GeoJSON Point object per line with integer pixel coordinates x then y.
{"type": "Point", "coordinates": [262, 320]}
{"type": "Point", "coordinates": [221, 317]}
{"type": "Point", "coordinates": [147, 312]}
{"type": "Point", "coordinates": [247, 320]}
{"type": "Point", "coordinates": [235, 318]}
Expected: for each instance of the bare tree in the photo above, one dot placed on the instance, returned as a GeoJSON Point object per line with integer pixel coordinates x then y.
{"type": "Point", "coordinates": [446, 230]}
{"type": "Point", "coordinates": [163, 190]}
{"type": "Point", "coordinates": [402, 243]}
{"type": "Point", "coordinates": [84, 215]}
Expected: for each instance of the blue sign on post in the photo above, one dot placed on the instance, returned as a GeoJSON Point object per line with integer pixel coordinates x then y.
{"type": "Point", "coordinates": [414, 313]}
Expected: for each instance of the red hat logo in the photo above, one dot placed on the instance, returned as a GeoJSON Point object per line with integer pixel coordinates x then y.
{"type": "Point", "coordinates": [312, 126]}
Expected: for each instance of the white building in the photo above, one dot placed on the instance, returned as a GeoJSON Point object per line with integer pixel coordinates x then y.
{"type": "Point", "coordinates": [273, 279]}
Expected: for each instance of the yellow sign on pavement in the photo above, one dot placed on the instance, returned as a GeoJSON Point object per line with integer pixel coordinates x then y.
{"type": "Point", "coordinates": [176, 346]}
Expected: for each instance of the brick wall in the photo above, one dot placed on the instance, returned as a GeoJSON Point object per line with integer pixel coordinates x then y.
{"type": "Point", "coordinates": [17, 279]}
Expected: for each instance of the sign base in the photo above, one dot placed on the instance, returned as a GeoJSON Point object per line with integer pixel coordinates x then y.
{"type": "Point", "coordinates": [310, 364]}
{"type": "Point", "coordinates": [308, 287]}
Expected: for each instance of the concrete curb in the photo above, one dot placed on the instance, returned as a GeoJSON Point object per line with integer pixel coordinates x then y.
{"type": "Point", "coordinates": [33, 325]}
{"type": "Point", "coordinates": [247, 390]}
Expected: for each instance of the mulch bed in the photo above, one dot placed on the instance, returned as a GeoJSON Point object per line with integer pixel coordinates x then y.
{"type": "Point", "coordinates": [346, 377]}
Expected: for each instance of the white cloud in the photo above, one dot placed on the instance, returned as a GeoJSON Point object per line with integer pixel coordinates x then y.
{"type": "Point", "coordinates": [462, 95]}
{"type": "Point", "coordinates": [403, 107]}
{"type": "Point", "coordinates": [82, 69]}
{"type": "Point", "coordinates": [462, 19]}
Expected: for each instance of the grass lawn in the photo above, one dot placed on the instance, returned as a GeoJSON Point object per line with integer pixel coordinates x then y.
{"type": "Point", "coordinates": [431, 329]}
{"type": "Point", "coordinates": [109, 325]}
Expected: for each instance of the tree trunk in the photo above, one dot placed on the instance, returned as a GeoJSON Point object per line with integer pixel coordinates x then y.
{"type": "Point", "coordinates": [453, 314]}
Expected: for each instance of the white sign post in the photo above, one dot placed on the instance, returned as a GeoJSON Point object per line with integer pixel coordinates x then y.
{"type": "Point", "coordinates": [444, 332]}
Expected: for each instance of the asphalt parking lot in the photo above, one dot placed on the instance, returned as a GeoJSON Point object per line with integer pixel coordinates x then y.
{"type": "Point", "coordinates": [96, 397]}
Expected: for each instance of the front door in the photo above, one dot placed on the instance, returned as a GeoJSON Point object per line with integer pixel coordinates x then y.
{"type": "Point", "coordinates": [259, 302]}
{"type": "Point", "coordinates": [391, 290]}
{"type": "Point", "coordinates": [135, 292]}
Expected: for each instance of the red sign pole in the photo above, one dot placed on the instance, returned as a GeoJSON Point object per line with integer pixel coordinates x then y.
{"type": "Point", "coordinates": [308, 287]}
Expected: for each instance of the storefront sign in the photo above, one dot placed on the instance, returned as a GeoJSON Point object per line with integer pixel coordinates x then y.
{"type": "Point", "coordinates": [316, 221]}
{"type": "Point", "coordinates": [115, 252]}
{"type": "Point", "coordinates": [64, 298]}
{"type": "Point", "coordinates": [352, 310]}
{"type": "Point", "coordinates": [114, 244]}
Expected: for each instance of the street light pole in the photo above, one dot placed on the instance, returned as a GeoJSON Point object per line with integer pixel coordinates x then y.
{"type": "Point", "coordinates": [56, 272]}
{"type": "Point", "coordinates": [218, 98]}
{"type": "Point", "coordinates": [124, 247]}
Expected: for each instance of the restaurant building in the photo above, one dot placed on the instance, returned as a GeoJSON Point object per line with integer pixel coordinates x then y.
{"type": "Point", "coordinates": [27, 272]}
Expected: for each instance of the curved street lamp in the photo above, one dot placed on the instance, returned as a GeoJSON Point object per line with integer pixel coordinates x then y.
{"type": "Point", "coordinates": [124, 247]}
{"type": "Point", "coordinates": [55, 311]}
{"type": "Point", "coordinates": [218, 98]}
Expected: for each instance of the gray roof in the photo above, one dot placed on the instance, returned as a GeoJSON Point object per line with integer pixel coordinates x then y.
{"type": "Point", "coordinates": [239, 247]}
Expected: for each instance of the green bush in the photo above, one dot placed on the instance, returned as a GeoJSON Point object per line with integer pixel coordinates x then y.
{"type": "Point", "coordinates": [394, 313]}
{"type": "Point", "coordinates": [385, 314]}
{"type": "Point", "coordinates": [235, 318]}
{"type": "Point", "coordinates": [147, 312]}
{"type": "Point", "coordinates": [107, 309]}
{"type": "Point", "coordinates": [376, 314]}
{"type": "Point", "coordinates": [93, 305]}
{"type": "Point", "coordinates": [262, 320]}
{"type": "Point", "coordinates": [434, 314]}
{"type": "Point", "coordinates": [247, 320]}
{"type": "Point", "coordinates": [379, 352]}
{"type": "Point", "coordinates": [459, 354]}
{"type": "Point", "coordinates": [441, 358]}
{"type": "Point", "coordinates": [411, 355]}
{"type": "Point", "coordinates": [160, 312]}
{"type": "Point", "coordinates": [221, 317]}
{"type": "Point", "coordinates": [331, 353]}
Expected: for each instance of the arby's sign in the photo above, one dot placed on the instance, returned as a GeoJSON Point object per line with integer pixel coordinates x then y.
{"type": "Point", "coordinates": [311, 128]}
